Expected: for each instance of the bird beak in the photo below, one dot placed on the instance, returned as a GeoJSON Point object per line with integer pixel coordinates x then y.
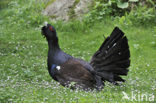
{"type": "Point", "coordinates": [45, 24]}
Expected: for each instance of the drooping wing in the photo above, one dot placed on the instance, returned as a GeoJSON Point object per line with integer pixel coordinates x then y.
{"type": "Point", "coordinates": [73, 71]}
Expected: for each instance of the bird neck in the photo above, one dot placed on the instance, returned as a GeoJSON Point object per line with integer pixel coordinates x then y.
{"type": "Point", "coordinates": [53, 44]}
{"type": "Point", "coordinates": [52, 52]}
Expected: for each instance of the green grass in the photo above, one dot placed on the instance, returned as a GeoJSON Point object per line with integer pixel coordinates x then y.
{"type": "Point", "coordinates": [23, 53]}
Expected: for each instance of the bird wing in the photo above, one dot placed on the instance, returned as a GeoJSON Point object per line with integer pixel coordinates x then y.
{"type": "Point", "coordinates": [73, 71]}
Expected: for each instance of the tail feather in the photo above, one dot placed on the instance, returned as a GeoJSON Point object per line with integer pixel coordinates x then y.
{"type": "Point", "coordinates": [113, 38]}
{"type": "Point", "coordinates": [123, 64]}
{"type": "Point", "coordinates": [118, 78]}
{"type": "Point", "coordinates": [114, 69]}
{"type": "Point", "coordinates": [119, 48]}
{"type": "Point", "coordinates": [116, 54]}
{"type": "Point", "coordinates": [112, 58]}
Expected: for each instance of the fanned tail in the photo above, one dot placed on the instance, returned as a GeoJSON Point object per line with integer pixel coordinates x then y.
{"type": "Point", "coordinates": [112, 58]}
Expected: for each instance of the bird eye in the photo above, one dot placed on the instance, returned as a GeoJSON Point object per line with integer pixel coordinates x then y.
{"type": "Point", "coordinates": [51, 29]}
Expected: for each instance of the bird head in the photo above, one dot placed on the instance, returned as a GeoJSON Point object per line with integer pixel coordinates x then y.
{"type": "Point", "coordinates": [49, 31]}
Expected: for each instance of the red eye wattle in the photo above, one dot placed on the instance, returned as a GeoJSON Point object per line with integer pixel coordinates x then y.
{"type": "Point", "coordinates": [51, 28]}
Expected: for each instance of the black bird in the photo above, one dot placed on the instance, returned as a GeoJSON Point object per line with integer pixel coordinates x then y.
{"type": "Point", "coordinates": [108, 63]}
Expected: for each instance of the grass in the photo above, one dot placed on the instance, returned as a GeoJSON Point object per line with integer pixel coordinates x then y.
{"type": "Point", "coordinates": [23, 54]}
